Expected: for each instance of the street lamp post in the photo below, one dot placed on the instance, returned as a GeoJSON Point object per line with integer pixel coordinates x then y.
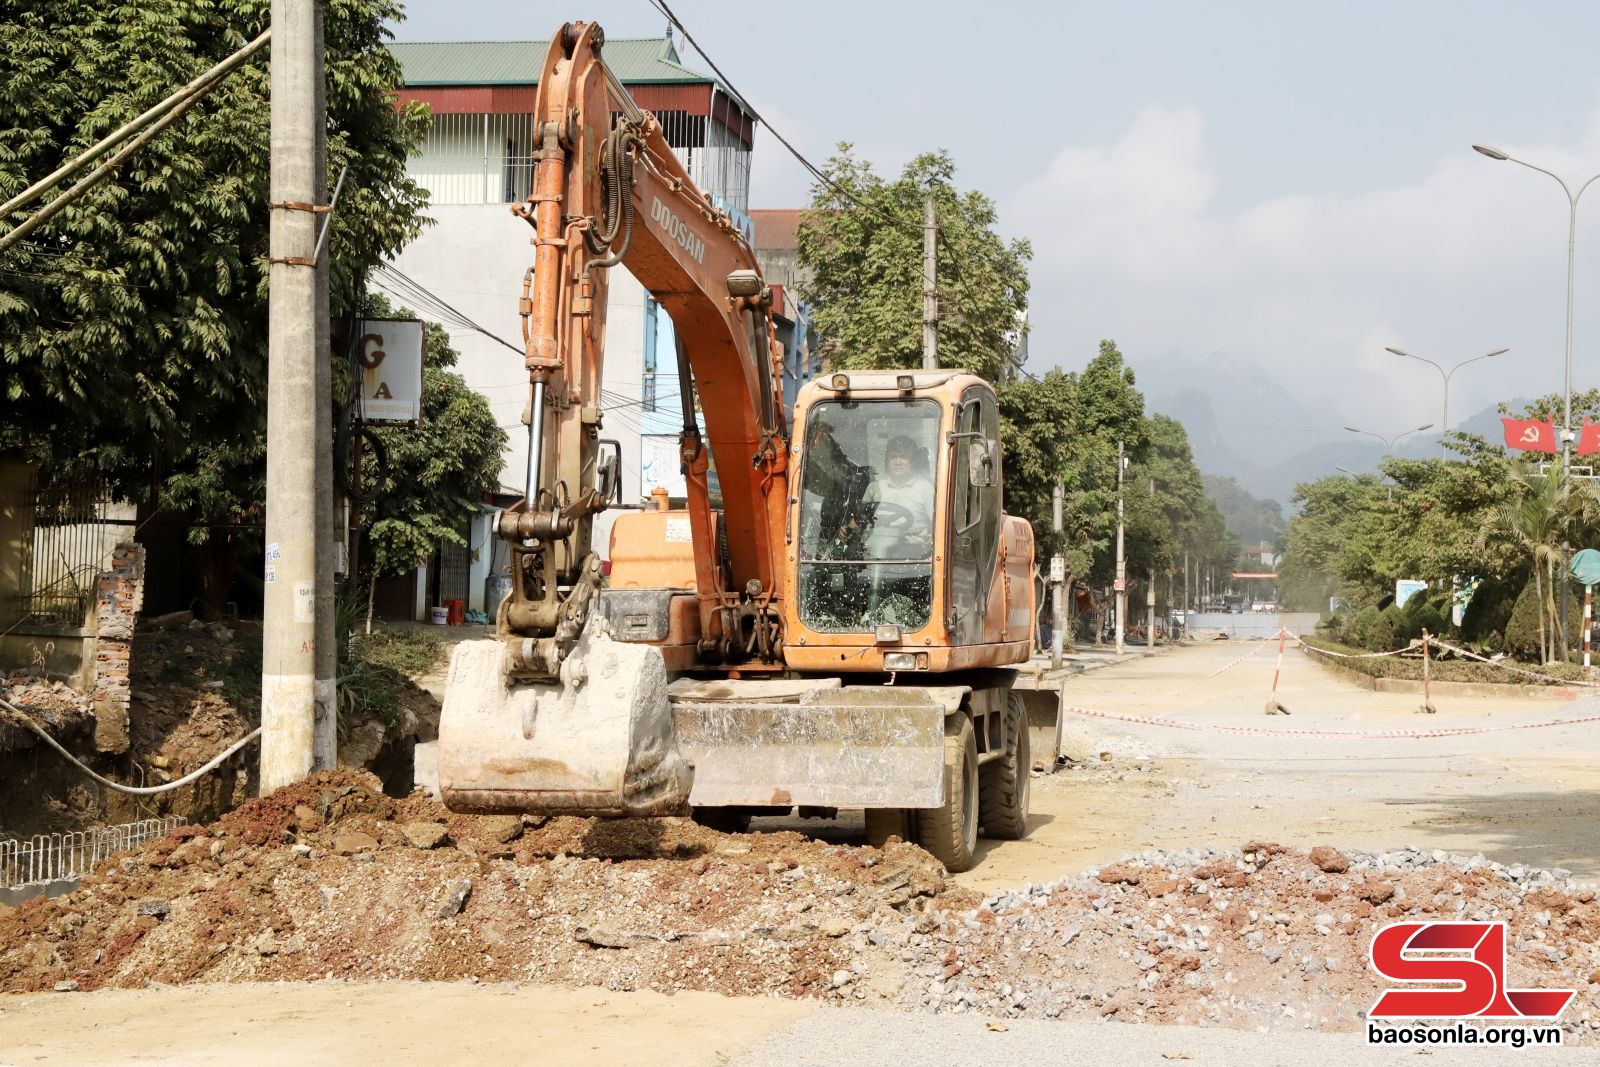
{"type": "Point", "coordinates": [1572, 243]}
{"type": "Point", "coordinates": [1444, 427]}
{"type": "Point", "coordinates": [1566, 392]}
{"type": "Point", "coordinates": [1389, 443]}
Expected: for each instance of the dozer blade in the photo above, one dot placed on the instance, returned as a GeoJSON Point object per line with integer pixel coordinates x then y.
{"type": "Point", "coordinates": [599, 742]}
{"type": "Point", "coordinates": [821, 745]}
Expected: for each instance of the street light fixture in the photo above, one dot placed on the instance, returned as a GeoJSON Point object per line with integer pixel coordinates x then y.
{"type": "Point", "coordinates": [1389, 442]}
{"type": "Point", "coordinates": [1446, 375]}
{"type": "Point", "coordinates": [1572, 240]}
{"type": "Point", "coordinates": [1566, 392]}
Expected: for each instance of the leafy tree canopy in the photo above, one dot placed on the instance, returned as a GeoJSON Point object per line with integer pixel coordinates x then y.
{"type": "Point", "coordinates": [440, 470]}
{"type": "Point", "coordinates": [862, 240]}
{"type": "Point", "coordinates": [135, 322]}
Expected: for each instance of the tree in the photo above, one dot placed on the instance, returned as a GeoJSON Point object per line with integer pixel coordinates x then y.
{"type": "Point", "coordinates": [135, 322]}
{"type": "Point", "coordinates": [1249, 518]}
{"type": "Point", "coordinates": [1541, 515]}
{"type": "Point", "coordinates": [438, 471]}
{"type": "Point", "coordinates": [862, 241]}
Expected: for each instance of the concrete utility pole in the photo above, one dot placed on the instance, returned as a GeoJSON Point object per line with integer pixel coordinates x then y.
{"type": "Point", "coordinates": [289, 612]}
{"type": "Point", "coordinates": [1121, 588]}
{"type": "Point", "coordinates": [1058, 575]}
{"type": "Point", "coordinates": [930, 281]}
{"type": "Point", "coordinates": [325, 745]}
{"type": "Point", "coordinates": [1150, 596]}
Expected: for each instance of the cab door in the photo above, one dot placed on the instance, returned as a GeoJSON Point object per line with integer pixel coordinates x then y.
{"type": "Point", "coordinates": [974, 515]}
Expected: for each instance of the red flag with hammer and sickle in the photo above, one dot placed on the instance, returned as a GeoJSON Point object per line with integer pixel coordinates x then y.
{"type": "Point", "coordinates": [1530, 435]}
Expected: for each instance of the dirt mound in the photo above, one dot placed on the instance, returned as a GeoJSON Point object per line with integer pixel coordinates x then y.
{"type": "Point", "coordinates": [54, 705]}
{"type": "Point", "coordinates": [330, 878]}
{"type": "Point", "coordinates": [1264, 938]}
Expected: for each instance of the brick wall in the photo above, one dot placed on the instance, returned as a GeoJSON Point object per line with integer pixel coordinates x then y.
{"type": "Point", "coordinates": [119, 595]}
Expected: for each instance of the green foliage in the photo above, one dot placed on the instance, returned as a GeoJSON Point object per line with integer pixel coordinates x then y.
{"type": "Point", "coordinates": [1489, 610]}
{"type": "Point", "coordinates": [135, 322]}
{"type": "Point", "coordinates": [1409, 667]}
{"type": "Point", "coordinates": [1334, 544]}
{"type": "Point", "coordinates": [1522, 636]}
{"type": "Point", "coordinates": [1522, 631]}
{"type": "Point", "coordinates": [439, 470]}
{"type": "Point", "coordinates": [1428, 611]}
{"type": "Point", "coordinates": [374, 668]}
{"type": "Point", "coordinates": [862, 240]}
{"type": "Point", "coordinates": [1248, 518]}
{"type": "Point", "coordinates": [412, 652]}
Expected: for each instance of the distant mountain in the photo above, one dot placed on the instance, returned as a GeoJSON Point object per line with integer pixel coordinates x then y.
{"type": "Point", "coordinates": [1241, 422]}
{"type": "Point", "coordinates": [1244, 426]}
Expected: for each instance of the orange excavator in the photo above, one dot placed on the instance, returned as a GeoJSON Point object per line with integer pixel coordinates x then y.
{"type": "Point", "coordinates": [841, 633]}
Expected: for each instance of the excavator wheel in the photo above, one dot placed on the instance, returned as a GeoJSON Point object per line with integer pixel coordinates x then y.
{"type": "Point", "coordinates": [1004, 784]}
{"type": "Point", "coordinates": [950, 832]}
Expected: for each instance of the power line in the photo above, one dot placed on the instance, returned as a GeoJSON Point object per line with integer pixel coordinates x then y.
{"type": "Point", "coordinates": [811, 168]}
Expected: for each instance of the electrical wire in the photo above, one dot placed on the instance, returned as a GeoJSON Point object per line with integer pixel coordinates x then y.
{"type": "Point", "coordinates": [661, 6]}
{"type": "Point", "coordinates": [26, 721]}
{"type": "Point", "coordinates": [952, 266]}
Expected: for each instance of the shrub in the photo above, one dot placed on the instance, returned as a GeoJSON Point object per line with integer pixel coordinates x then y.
{"type": "Point", "coordinates": [1385, 632]}
{"type": "Point", "coordinates": [1489, 610]}
{"type": "Point", "coordinates": [1447, 669]}
{"type": "Point", "coordinates": [1522, 631]}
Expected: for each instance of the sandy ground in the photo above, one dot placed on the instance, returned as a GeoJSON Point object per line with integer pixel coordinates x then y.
{"type": "Point", "coordinates": [1520, 796]}
{"type": "Point", "coordinates": [390, 1022]}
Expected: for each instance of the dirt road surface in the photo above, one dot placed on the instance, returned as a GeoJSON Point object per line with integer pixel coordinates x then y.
{"type": "Point", "coordinates": [1524, 796]}
{"type": "Point", "coordinates": [1517, 796]}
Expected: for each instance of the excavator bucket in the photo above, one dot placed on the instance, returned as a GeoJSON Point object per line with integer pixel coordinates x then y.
{"type": "Point", "coordinates": [599, 742]}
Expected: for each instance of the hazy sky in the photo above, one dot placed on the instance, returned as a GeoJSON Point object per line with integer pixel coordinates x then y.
{"type": "Point", "coordinates": [1288, 183]}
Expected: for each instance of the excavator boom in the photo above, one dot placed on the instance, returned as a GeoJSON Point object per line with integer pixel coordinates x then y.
{"type": "Point", "coordinates": [609, 192]}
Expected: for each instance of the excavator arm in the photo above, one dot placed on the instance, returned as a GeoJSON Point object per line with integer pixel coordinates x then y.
{"type": "Point", "coordinates": [553, 715]}
{"type": "Point", "coordinates": [607, 191]}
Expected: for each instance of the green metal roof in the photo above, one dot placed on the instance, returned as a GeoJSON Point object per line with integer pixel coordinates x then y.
{"type": "Point", "coordinates": [636, 61]}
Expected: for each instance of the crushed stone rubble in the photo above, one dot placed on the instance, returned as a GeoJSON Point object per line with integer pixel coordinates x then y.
{"type": "Point", "coordinates": [330, 879]}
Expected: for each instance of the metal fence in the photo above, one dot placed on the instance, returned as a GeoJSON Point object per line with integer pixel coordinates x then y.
{"type": "Point", "coordinates": [488, 159]}
{"type": "Point", "coordinates": [61, 563]}
{"type": "Point", "coordinates": [1255, 624]}
{"type": "Point", "coordinates": [54, 857]}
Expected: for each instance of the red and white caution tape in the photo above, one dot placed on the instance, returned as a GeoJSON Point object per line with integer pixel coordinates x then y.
{"type": "Point", "coordinates": [1356, 655]}
{"type": "Point", "coordinates": [1577, 683]}
{"type": "Point", "coordinates": [1258, 731]}
{"type": "Point", "coordinates": [1351, 735]}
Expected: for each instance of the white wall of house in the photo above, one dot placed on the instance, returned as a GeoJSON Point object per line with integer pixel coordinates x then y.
{"type": "Point", "coordinates": [473, 258]}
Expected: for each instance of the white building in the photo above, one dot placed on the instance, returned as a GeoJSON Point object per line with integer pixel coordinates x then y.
{"type": "Point", "coordinates": [475, 163]}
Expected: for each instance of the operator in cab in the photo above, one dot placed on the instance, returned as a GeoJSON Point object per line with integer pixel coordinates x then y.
{"type": "Point", "coordinates": [901, 505]}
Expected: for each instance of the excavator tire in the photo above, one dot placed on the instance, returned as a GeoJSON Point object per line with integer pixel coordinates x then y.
{"type": "Point", "coordinates": [1004, 784]}
{"type": "Point", "coordinates": [950, 832]}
